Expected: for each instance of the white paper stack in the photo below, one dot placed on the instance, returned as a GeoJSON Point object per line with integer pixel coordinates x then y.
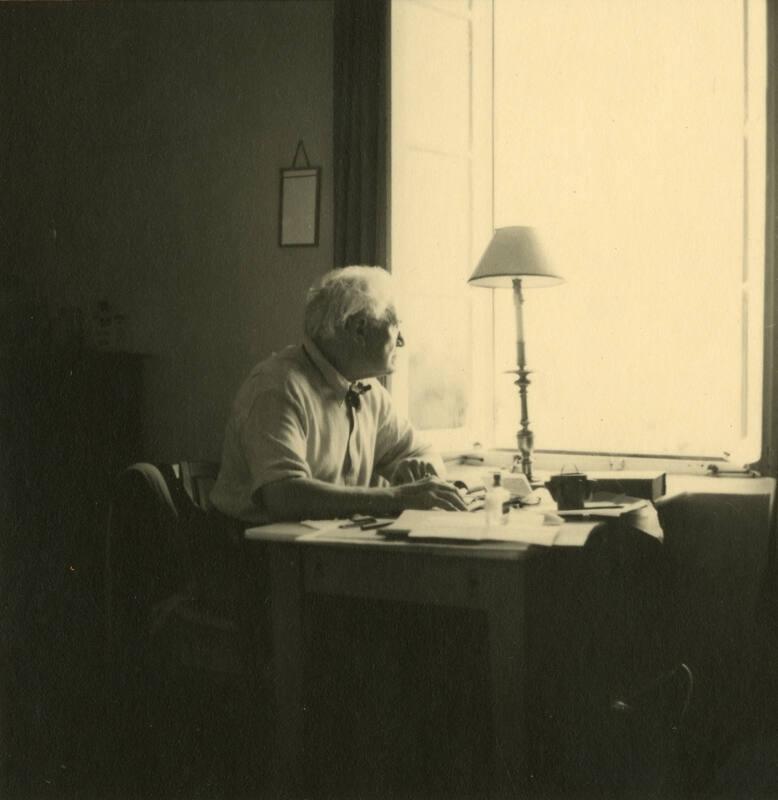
{"type": "Point", "coordinates": [528, 527]}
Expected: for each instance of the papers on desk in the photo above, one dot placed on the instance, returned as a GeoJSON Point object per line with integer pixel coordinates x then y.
{"type": "Point", "coordinates": [356, 522]}
{"type": "Point", "coordinates": [355, 529]}
{"type": "Point", "coordinates": [323, 524]}
{"type": "Point", "coordinates": [639, 514]}
{"type": "Point", "coordinates": [527, 527]}
{"type": "Point", "coordinates": [524, 527]}
{"type": "Point", "coordinates": [604, 509]}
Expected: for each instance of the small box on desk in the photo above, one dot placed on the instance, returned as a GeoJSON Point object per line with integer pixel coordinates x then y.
{"type": "Point", "coordinates": [645, 485]}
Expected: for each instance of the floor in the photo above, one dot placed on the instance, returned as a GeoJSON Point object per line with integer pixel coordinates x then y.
{"type": "Point", "coordinates": [61, 740]}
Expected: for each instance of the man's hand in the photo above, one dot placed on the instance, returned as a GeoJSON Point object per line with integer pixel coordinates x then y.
{"type": "Point", "coordinates": [430, 492]}
{"type": "Point", "coordinates": [413, 469]}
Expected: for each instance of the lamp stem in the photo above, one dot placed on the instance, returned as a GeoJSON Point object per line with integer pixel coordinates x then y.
{"type": "Point", "coordinates": [524, 435]}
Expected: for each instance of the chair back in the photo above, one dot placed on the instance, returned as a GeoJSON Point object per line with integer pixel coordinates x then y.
{"type": "Point", "coordinates": [147, 553]}
{"type": "Point", "coordinates": [718, 549]}
{"type": "Point", "coordinates": [181, 657]}
{"type": "Point", "coordinates": [198, 478]}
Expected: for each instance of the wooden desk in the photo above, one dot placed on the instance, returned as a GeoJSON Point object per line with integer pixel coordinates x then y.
{"type": "Point", "coordinates": [701, 535]}
{"type": "Point", "coordinates": [489, 578]}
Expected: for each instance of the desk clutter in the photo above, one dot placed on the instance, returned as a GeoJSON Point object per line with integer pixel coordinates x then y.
{"type": "Point", "coordinates": [648, 485]}
{"type": "Point", "coordinates": [527, 527]}
{"type": "Point", "coordinates": [536, 522]}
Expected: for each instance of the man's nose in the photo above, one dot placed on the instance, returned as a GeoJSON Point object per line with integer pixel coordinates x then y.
{"type": "Point", "coordinates": [400, 340]}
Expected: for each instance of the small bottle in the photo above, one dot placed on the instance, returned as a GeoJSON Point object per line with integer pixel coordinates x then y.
{"type": "Point", "coordinates": [496, 502]}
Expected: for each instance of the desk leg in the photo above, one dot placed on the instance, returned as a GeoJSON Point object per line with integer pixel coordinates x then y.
{"type": "Point", "coordinates": [508, 664]}
{"type": "Point", "coordinates": [287, 611]}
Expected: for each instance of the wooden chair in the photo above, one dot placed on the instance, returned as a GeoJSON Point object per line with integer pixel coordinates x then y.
{"type": "Point", "coordinates": [179, 634]}
{"type": "Point", "coordinates": [198, 478]}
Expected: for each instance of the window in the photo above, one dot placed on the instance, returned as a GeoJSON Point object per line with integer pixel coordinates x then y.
{"type": "Point", "coordinates": [632, 135]}
{"type": "Point", "coordinates": [441, 214]}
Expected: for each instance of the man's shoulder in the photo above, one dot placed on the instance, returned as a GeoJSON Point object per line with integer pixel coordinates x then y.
{"type": "Point", "coordinates": [289, 362]}
{"type": "Point", "coordinates": [284, 372]}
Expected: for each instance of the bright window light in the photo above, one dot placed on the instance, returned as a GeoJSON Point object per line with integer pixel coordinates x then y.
{"type": "Point", "coordinates": [441, 214]}
{"type": "Point", "coordinates": [632, 134]}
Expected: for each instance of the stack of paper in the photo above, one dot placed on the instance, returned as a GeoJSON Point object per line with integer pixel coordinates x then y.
{"type": "Point", "coordinates": [524, 526]}
{"type": "Point", "coordinates": [640, 514]}
{"type": "Point", "coordinates": [605, 508]}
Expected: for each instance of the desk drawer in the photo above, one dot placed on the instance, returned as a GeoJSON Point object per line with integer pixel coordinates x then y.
{"type": "Point", "coordinates": [415, 578]}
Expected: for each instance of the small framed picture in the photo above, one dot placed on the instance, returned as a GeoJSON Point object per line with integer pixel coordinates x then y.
{"type": "Point", "coordinates": [299, 216]}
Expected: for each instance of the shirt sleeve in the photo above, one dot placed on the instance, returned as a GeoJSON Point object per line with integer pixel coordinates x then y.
{"type": "Point", "coordinates": [396, 439]}
{"type": "Point", "coordinates": [274, 437]}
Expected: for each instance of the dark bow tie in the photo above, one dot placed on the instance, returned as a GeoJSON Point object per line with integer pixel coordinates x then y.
{"type": "Point", "coordinates": [353, 398]}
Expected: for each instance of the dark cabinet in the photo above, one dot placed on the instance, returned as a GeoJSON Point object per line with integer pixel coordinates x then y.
{"type": "Point", "coordinates": [95, 431]}
{"type": "Point", "coordinates": [68, 424]}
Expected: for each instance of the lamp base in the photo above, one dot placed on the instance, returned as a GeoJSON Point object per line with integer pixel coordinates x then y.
{"type": "Point", "coordinates": [525, 439]}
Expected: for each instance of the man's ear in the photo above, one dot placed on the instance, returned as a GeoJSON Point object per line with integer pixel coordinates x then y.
{"type": "Point", "coordinates": [356, 327]}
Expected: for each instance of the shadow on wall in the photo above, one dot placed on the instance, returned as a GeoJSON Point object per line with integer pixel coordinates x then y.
{"type": "Point", "coordinates": [150, 138]}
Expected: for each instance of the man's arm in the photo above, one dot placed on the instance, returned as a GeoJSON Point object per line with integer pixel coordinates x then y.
{"type": "Point", "coordinates": [401, 455]}
{"type": "Point", "coordinates": [308, 498]}
{"type": "Point", "coordinates": [414, 469]}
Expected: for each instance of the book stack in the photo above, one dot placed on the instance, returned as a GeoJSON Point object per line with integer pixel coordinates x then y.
{"type": "Point", "coordinates": [646, 485]}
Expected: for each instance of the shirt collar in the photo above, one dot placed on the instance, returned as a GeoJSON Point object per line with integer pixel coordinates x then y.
{"type": "Point", "coordinates": [333, 378]}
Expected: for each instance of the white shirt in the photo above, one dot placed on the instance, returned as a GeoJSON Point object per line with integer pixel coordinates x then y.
{"type": "Point", "coordinates": [290, 420]}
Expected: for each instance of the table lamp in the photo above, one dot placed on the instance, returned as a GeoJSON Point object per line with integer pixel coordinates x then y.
{"type": "Point", "coordinates": [513, 259]}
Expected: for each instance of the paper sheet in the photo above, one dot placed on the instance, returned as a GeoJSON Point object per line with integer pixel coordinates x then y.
{"type": "Point", "coordinates": [574, 534]}
{"type": "Point", "coordinates": [340, 535]}
{"type": "Point", "coordinates": [605, 509]}
{"type": "Point", "coordinates": [323, 524]}
{"type": "Point", "coordinates": [528, 527]}
{"type": "Point", "coordinates": [639, 514]}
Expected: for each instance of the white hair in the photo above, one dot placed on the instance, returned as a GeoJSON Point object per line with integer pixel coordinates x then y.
{"type": "Point", "coordinates": [344, 293]}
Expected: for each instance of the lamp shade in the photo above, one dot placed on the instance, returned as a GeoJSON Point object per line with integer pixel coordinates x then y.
{"type": "Point", "coordinates": [514, 252]}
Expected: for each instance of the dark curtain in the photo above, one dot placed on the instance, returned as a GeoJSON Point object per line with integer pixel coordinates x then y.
{"type": "Point", "coordinates": [765, 704]}
{"type": "Point", "coordinates": [768, 465]}
{"type": "Point", "coordinates": [361, 80]}
{"type": "Point", "coordinates": [769, 462]}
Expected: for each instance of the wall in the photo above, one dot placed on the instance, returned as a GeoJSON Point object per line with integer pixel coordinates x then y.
{"type": "Point", "coordinates": [141, 144]}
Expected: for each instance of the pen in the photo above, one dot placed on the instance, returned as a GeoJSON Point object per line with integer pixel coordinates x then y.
{"type": "Point", "coordinates": [357, 522]}
{"type": "Point", "coordinates": [369, 526]}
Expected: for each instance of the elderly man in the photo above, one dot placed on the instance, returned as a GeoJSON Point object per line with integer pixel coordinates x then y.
{"type": "Point", "coordinates": [307, 435]}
